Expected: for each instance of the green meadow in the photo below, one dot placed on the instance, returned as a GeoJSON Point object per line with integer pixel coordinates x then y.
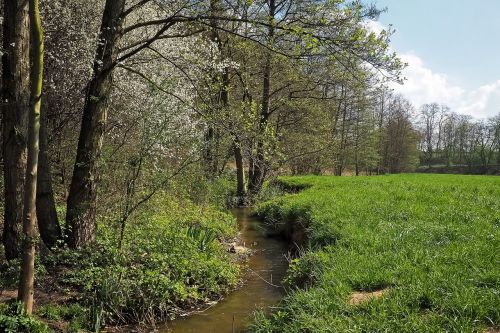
{"type": "Point", "coordinates": [398, 253]}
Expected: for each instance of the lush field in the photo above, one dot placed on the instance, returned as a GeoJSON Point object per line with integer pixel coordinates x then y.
{"type": "Point", "coordinates": [428, 244]}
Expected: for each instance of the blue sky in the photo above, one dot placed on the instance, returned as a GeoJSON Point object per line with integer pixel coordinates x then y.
{"type": "Point", "coordinates": [453, 48]}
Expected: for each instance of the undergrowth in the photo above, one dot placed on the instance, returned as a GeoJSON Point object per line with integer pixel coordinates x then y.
{"type": "Point", "coordinates": [173, 257]}
{"type": "Point", "coordinates": [13, 319]}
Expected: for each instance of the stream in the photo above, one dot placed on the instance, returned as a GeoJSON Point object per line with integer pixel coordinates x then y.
{"type": "Point", "coordinates": [262, 288]}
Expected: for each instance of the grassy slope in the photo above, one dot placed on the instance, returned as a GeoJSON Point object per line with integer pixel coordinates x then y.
{"type": "Point", "coordinates": [432, 240]}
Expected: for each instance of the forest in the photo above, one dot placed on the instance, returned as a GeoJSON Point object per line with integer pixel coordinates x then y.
{"type": "Point", "coordinates": [133, 130]}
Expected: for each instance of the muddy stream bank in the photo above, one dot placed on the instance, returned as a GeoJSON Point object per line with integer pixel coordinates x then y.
{"type": "Point", "coordinates": [262, 288]}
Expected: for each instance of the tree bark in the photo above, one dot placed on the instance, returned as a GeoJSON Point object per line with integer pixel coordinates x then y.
{"type": "Point", "coordinates": [15, 105]}
{"type": "Point", "coordinates": [27, 277]}
{"type": "Point", "coordinates": [339, 168]}
{"type": "Point", "coordinates": [81, 203]}
{"type": "Point", "coordinates": [258, 174]}
{"type": "Point", "coordinates": [46, 213]}
{"type": "Point", "coordinates": [240, 173]}
{"type": "Point", "coordinates": [218, 100]}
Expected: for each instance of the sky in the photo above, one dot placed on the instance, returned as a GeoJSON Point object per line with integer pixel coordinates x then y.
{"type": "Point", "coordinates": [452, 48]}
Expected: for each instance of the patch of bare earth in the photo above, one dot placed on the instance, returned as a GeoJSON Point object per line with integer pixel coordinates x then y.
{"type": "Point", "coordinates": [44, 298]}
{"type": "Point", "coordinates": [492, 330]}
{"type": "Point", "coordinates": [7, 294]}
{"type": "Point", "coordinates": [41, 297]}
{"type": "Point", "coordinates": [361, 297]}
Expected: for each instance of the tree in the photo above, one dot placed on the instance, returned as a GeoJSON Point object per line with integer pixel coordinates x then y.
{"type": "Point", "coordinates": [80, 216]}
{"type": "Point", "coordinates": [46, 213]}
{"type": "Point", "coordinates": [258, 167]}
{"type": "Point", "coordinates": [401, 137]}
{"type": "Point", "coordinates": [15, 99]}
{"type": "Point", "coordinates": [448, 138]}
{"type": "Point", "coordinates": [429, 113]}
{"type": "Point", "coordinates": [26, 279]}
{"type": "Point", "coordinates": [495, 128]}
{"type": "Point", "coordinates": [69, 39]}
{"type": "Point", "coordinates": [296, 30]}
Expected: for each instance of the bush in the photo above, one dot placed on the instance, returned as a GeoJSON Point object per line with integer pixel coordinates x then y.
{"type": "Point", "coordinates": [172, 244]}
{"type": "Point", "coordinates": [75, 314]}
{"type": "Point", "coordinates": [13, 319]}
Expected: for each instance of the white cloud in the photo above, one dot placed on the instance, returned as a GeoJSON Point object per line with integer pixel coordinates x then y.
{"type": "Point", "coordinates": [375, 26]}
{"type": "Point", "coordinates": [482, 102]}
{"type": "Point", "coordinates": [426, 86]}
{"type": "Point", "coordinates": [423, 85]}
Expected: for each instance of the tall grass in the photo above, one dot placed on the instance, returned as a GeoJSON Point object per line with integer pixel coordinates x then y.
{"type": "Point", "coordinates": [431, 241]}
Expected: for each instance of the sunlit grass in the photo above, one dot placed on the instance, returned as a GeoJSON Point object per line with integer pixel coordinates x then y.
{"type": "Point", "coordinates": [432, 241]}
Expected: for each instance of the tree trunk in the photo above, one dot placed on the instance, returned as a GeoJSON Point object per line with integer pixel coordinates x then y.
{"type": "Point", "coordinates": [240, 173]}
{"type": "Point", "coordinates": [27, 277]}
{"type": "Point", "coordinates": [210, 151]}
{"type": "Point", "coordinates": [15, 96]}
{"type": "Point", "coordinates": [81, 203]}
{"type": "Point", "coordinates": [211, 137]}
{"type": "Point", "coordinates": [259, 161]}
{"type": "Point", "coordinates": [341, 154]}
{"type": "Point", "coordinates": [48, 223]}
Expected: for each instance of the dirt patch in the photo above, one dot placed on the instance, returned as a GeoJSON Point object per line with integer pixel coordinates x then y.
{"type": "Point", "coordinates": [7, 294]}
{"type": "Point", "coordinates": [361, 297]}
{"type": "Point", "coordinates": [41, 298]}
{"type": "Point", "coordinates": [492, 330]}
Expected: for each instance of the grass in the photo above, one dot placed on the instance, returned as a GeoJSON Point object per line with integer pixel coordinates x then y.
{"type": "Point", "coordinates": [431, 242]}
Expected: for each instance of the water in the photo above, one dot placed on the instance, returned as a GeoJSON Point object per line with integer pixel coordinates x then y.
{"type": "Point", "coordinates": [262, 289]}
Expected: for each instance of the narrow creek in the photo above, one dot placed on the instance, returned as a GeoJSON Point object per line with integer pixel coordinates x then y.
{"type": "Point", "coordinates": [262, 288]}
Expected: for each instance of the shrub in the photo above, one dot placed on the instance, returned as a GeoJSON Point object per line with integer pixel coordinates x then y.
{"type": "Point", "coordinates": [173, 257]}
{"type": "Point", "coordinates": [13, 319]}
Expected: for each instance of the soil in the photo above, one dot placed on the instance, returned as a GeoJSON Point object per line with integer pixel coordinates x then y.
{"type": "Point", "coordinates": [361, 297]}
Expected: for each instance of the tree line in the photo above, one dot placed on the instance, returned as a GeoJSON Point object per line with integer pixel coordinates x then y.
{"type": "Point", "coordinates": [138, 94]}
{"type": "Point", "coordinates": [449, 139]}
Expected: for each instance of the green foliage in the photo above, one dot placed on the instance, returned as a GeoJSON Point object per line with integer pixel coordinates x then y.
{"type": "Point", "coordinates": [9, 273]}
{"type": "Point", "coordinates": [431, 241]}
{"type": "Point", "coordinates": [76, 314]}
{"type": "Point", "coordinates": [270, 190]}
{"type": "Point", "coordinates": [13, 319]}
{"type": "Point", "coordinates": [219, 193]}
{"type": "Point", "coordinates": [204, 236]}
{"type": "Point", "coordinates": [172, 244]}
{"type": "Point", "coordinates": [10, 270]}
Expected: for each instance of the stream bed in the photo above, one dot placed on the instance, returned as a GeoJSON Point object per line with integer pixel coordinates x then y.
{"type": "Point", "coordinates": [262, 288]}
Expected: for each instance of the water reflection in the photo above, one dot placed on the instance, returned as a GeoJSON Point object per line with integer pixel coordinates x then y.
{"type": "Point", "coordinates": [262, 290]}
